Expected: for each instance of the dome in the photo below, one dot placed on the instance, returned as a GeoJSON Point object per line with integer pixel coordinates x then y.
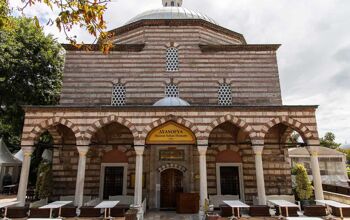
{"type": "Point", "coordinates": [171, 101]}
{"type": "Point", "coordinates": [170, 13]}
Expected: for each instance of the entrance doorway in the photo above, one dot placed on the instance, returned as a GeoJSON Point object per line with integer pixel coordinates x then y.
{"type": "Point", "coordinates": [229, 177]}
{"type": "Point", "coordinates": [113, 182]}
{"type": "Point", "coordinates": [170, 185]}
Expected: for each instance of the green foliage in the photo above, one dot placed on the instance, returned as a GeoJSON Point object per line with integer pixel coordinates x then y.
{"type": "Point", "coordinates": [303, 185]}
{"type": "Point", "coordinates": [4, 13]}
{"type": "Point", "coordinates": [329, 141]}
{"type": "Point", "coordinates": [44, 181]}
{"type": "Point", "coordinates": [31, 66]}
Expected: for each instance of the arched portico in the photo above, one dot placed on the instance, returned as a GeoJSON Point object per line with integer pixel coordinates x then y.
{"type": "Point", "coordinates": [65, 136]}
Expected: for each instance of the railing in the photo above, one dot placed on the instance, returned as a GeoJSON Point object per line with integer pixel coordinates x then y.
{"type": "Point", "coordinates": [336, 189]}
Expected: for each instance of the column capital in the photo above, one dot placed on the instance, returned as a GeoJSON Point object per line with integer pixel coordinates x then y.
{"type": "Point", "coordinates": [27, 151]}
{"type": "Point", "coordinates": [258, 149]}
{"type": "Point", "coordinates": [202, 150]}
{"type": "Point", "coordinates": [83, 150]}
{"type": "Point", "coordinates": [139, 150]}
{"type": "Point", "coordinates": [313, 150]}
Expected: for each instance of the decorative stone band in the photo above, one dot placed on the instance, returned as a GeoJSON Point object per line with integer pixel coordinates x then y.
{"type": "Point", "coordinates": [172, 166]}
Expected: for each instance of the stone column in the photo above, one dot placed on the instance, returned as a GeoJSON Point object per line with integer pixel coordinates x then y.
{"type": "Point", "coordinates": [259, 170]}
{"type": "Point", "coordinates": [203, 175]}
{"type": "Point", "coordinates": [79, 188]}
{"type": "Point", "coordinates": [23, 182]}
{"type": "Point", "coordinates": [138, 175]}
{"type": "Point", "coordinates": [313, 150]}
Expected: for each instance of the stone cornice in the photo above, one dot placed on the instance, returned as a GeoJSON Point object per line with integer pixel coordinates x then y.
{"type": "Point", "coordinates": [177, 22]}
{"type": "Point", "coordinates": [96, 47]}
{"type": "Point", "coordinates": [239, 47]}
{"type": "Point", "coordinates": [138, 108]}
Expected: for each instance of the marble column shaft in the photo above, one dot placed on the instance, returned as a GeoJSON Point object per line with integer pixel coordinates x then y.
{"type": "Point", "coordinates": [23, 183]}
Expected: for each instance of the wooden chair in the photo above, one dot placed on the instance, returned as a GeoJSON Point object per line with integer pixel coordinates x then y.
{"type": "Point", "coordinates": [119, 210]}
{"type": "Point", "coordinates": [89, 211]}
{"type": "Point", "coordinates": [69, 211]}
{"type": "Point", "coordinates": [226, 211]}
{"type": "Point", "coordinates": [315, 210]}
{"type": "Point", "coordinates": [259, 211]}
{"type": "Point", "coordinates": [41, 213]}
{"type": "Point", "coordinates": [17, 212]}
{"type": "Point", "coordinates": [336, 212]}
{"type": "Point", "coordinates": [292, 211]}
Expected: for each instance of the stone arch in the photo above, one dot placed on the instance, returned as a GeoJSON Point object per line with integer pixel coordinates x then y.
{"type": "Point", "coordinates": [304, 131]}
{"type": "Point", "coordinates": [234, 120]}
{"type": "Point", "coordinates": [176, 119]}
{"type": "Point", "coordinates": [172, 166]}
{"type": "Point", "coordinates": [108, 120]}
{"type": "Point", "coordinates": [49, 123]}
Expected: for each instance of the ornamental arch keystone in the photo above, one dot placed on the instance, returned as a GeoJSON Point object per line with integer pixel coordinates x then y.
{"type": "Point", "coordinates": [240, 123]}
{"type": "Point", "coordinates": [108, 120]}
{"type": "Point", "coordinates": [172, 166]}
{"type": "Point", "coordinates": [51, 122]}
{"type": "Point", "coordinates": [303, 130]}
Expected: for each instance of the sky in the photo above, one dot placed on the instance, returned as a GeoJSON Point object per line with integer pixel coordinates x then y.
{"type": "Point", "coordinates": [314, 60]}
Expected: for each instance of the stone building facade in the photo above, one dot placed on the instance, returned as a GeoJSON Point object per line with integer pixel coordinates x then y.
{"type": "Point", "coordinates": [217, 99]}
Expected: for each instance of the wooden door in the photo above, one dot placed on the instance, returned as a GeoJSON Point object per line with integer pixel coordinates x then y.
{"type": "Point", "coordinates": [229, 178]}
{"type": "Point", "coordinates": [113, 181]}
{"type": "Point", "coordinates": [171, 184]}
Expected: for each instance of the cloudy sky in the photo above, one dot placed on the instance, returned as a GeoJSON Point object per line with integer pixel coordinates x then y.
{"type": "Point", "coordinates": [314, 60]}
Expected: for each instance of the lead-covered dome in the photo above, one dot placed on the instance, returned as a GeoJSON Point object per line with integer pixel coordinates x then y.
{"type": "Point", "coordinates": [171, 101]}
{"type": "Point", "coordinates": [171, 10]}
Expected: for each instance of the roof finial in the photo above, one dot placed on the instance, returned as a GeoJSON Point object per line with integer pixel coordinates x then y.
{"type": "Point", "coordinates": [172, 3]}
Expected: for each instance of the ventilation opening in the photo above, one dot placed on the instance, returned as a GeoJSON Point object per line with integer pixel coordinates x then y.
{"type": "Point", "coordinates": [172, 90]}
{"type": "Point", "coordinates": [225, 95]}
{"type": "Point", "coordinates": [118, 95]}
{"type": "Point", "coordinates": [172, 59]}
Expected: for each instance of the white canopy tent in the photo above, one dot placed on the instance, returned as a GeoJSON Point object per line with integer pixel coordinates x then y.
{"type": "Point", "coordinates": [9, 165]}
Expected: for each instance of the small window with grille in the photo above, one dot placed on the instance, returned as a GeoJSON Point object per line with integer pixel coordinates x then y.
{"type": "Point", "coordinates": [171, 90]}
{"type": "Point", "coordinates": [172, 59]}
{"type": "Point", "coordinates": [118, 95]}
{"type": "Point", "coordinates": [225, 95]}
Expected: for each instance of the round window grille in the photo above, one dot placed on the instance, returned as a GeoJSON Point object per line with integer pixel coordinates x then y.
{"type": "Point", "coordinates": [172, 59]}
{"type": "Point", "coordinates": [171, 90]}
{"type": "Point", "coordinates": [118, 95]}
{"type": "Point", "coordinates": [225, 95]}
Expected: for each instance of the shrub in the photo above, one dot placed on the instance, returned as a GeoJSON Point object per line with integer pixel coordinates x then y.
{"type": "Point", "coordinates": [303, 187]}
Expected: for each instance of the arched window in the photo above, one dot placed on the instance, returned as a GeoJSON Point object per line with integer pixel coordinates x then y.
{"type": "Point", "coordinates": [225, 94]}
{"type": "Point", "coordinates": [118, 95]}
{"type": "Point", "coordinates": [172, 59]}
{"type": "Point", "coordinates": [172, 3]}
{"type": "Point", "coordinates": [171, 90]}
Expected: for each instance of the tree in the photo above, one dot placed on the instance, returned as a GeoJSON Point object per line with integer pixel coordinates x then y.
{"type": "Point", "coordinates": [303, 187]}
{"type": "Point", "coordinates": [31, 66]}
{"type": "Point", "coordinates": [329, 141]}
{"type": "Point", "coordinates": [84, 14]}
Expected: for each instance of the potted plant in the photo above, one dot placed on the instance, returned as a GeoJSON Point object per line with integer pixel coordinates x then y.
{"type": "Point", "coordinates": [303, 188]}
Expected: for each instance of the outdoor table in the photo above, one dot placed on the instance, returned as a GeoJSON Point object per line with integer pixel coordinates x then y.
{"type": "Point", "coordinates": [55, 205]}
{"type": "Point", "coordinates": [6, 205]}
{"type": "Point", "coordinates": [107, 205]}
{"type": "Point", "coordinates": [9, 188]}
{"type": "Point", "coordinates": [236, 204]}
{"type": "Point", "coordinates": [304, 218]}
{"type": "Point", "coordinates": [283, 203]}
{"type": "Point", "coordinates": [334, 204]}
{"type": "Point", "coordinates": [44, 218]}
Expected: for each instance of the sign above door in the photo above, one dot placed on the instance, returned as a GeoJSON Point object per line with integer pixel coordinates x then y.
{"type": "Point", "coordinates": [171, 133]}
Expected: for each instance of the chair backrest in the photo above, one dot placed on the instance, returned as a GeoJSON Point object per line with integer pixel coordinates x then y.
{"type": "Point", "coordinates": [125, 200]}
{"type": "Point", "coordinates": [289, 198]}
{"type": "Point", "coordinates": [217, 200]}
